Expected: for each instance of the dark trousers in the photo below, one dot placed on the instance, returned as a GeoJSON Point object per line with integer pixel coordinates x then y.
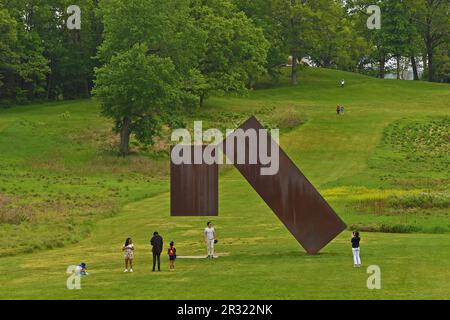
{"type": "Point", "coordinates": [157, 256]}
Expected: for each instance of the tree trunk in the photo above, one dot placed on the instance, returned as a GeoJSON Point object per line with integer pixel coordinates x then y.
{"type": "Point", "coordinates": [49, 85]}
{"type": "Point", "coordinates": [430, 66]}
{"type": "Point", "coordinates": [414, 66]}
{"type": "Point", "coordinates": [295, 46]}
{"type": "Point", "coordinates": [125, 137]}
{"type": "Point", "coordinates": [429, 50]}
{"type": "Point", "coordinates": [382, 66]}
{"type": "Point", "coordinates": [202, 101]}
{"type": "Point", "coordinates": [425, 62]}
{"type": "Point", "coordinates": [87, 91]}
{"type": "Point", "coordinates": [294, 76]}
{"type": "Point", "coordinates": [398, 67]}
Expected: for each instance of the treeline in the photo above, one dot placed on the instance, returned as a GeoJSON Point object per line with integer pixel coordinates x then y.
{"type": "Point", "coordinates": [334, 34]}
{"type": "Point", "coordinates": [40, 59]}
{"type": "Point", "coordinates": [148, 61]}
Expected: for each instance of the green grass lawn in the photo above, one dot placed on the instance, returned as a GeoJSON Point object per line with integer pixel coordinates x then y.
{"type": "Point", "coordinates": [65, 197]}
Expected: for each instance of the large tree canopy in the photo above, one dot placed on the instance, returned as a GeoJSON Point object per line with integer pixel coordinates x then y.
{"type": "Point", "coordinates": [150, 51]}
{"type": "Point", "coordinates": [236, 50]}
{"type": "Point", "coordinates": [8, 39]}
{"type": "Point", "coordinates": [165, 27]}
{"type": "Point", "coordinates": [211, 47]}
{"type": "Point", "coordinates": [432, 20]}
{"type": "Point", "coordinates": [139, 91]}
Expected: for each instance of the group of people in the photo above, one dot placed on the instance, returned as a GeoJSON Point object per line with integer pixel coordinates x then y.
{"type": "Point", "coordinates": [157, 247]}
{"type": "Point", "coordinates": [157, 244]}
{"type": "Point", "coordinates": [340, 109]}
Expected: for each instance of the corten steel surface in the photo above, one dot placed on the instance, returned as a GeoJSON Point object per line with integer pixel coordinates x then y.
{"type": "Point", "coordinates": [292, 198]}
{"type": "Point", "coordinates": [194, 188]}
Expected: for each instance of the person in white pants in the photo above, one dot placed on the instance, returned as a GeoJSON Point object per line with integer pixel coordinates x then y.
{"type": "Point", "coordinates": [356, 249]}
{"type": "Point", "coordinates": [210, 236]}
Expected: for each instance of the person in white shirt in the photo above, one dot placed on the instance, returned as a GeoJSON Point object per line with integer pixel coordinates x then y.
{"type": "Point", "coordinates": [210, 235]}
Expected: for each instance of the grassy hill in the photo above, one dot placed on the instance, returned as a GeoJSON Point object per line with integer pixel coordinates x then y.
{"type": "Point", "coordinates": [66, 197]}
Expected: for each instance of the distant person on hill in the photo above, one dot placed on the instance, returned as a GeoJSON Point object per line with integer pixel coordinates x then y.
{"type": "Point", "coordinates": [128, 248]}
{"type": "Point", "coordinates": [355, 248]}
{"type": "Point", "coordinates": [338, 109]}
{"type": "Point", "coordinates": [172, 252]}
{"type": "Point", "coordinates": [210, 236]}
{"type": "Point", "coordinates": [342, 83]}
{"type": "Point", "coordinates": [342, 109]}
{"type": "Point", "coordinates": [157, 247]}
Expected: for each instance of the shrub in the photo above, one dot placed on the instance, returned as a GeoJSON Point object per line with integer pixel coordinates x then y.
{"type": "Point", "coordinates": [289, 119]}
{"type": "Point", "coordinates": [421, 200]}
{"type": "Point", "coordinates": [398, 228]}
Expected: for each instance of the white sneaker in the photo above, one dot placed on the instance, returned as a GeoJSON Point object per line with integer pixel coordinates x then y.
{"type": "Point", "coordinates": [131, 270]}
{"type": "Point", "coordinates": [125, 270]}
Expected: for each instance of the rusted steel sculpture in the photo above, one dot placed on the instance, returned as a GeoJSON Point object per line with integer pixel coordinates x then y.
{"type": "Point", "coordinates": [294, 200]}
{"type": "Point", "coordinates": [194, 188]}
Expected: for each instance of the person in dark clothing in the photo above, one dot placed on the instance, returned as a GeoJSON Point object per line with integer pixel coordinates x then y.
{"type": "Point", "coordinates": [338, 109]}
{"type": "Point", "coordinates": [355, 248]}
{"type": "Point", "coordinates": [157, 247]}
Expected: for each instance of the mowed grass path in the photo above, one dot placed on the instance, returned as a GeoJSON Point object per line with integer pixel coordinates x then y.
{"type": "Point", "coordinates": [264, 261]}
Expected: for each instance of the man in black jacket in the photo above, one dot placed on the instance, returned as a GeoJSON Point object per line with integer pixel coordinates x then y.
{"type": "Point", "coordinates": [157, 247]}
